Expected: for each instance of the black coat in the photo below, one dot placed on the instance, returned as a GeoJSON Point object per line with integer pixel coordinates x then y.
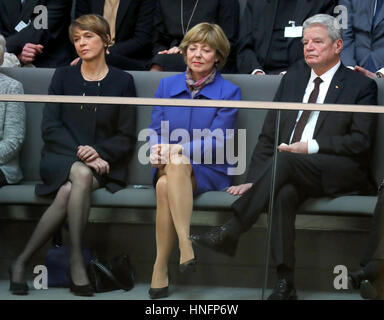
{"type": "Point", "coordinates": [110, 129]}
{"type": "Point", "coordinates": [257, 25]}
{"type": "Point", "coordinates": [134, 25]}
{"type": "Point", "coordinates": [167, 21]}
{"type": "Point", "coordinates": [344, 134]}
{"type": "Point", "coordinates": [57, 47]}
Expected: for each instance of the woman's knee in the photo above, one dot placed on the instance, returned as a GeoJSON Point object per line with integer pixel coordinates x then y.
{"type": "Point", "coordinates": [80, 174]}
{"type": "Point", "coordinates": [179, 165]}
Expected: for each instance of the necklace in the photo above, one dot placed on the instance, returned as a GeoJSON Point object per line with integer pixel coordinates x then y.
{"type": "Point", "coordinates": [99, 77]}
{"type": "Point", "coordinates": [182, 15]}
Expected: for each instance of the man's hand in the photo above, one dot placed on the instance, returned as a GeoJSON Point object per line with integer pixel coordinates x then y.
{"type": "Point", "coordinates": [29, 53]}
{"type": "Point", "coordinates": [87, 153]}
{"type": "Point", "coordinates": [173, 50]}
{"type": "Point", "coordinates": [75, 62]}
{"type": "Point", "coordinates": [365, 72]}
{"type": "Point", "coordinates": [240, 189]}
{"type": "Point", "coordinates": [99, 165]}
{"type": "Point", "coordinates": [297, 147]}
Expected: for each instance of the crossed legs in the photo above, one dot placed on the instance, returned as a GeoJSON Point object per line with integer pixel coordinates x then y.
{"type": "Point", "coordinates": [72, 201]}
{"type": "Point", "coordinates": [174, 196]}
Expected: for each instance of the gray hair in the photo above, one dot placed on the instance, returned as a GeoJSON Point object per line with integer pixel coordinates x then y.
{"type": "Point", "coordinates": [325, 20]}
{"type": "Point", "coordinates": [2, 49]}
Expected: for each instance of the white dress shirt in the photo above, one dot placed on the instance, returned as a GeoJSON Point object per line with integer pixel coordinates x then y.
{"type": "Point", "coordinates": [309, 129]}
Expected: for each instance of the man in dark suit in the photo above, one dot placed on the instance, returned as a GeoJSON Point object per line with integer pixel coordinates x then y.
{"type": "Point", "coordinates": [49, 48]}
{"type": "Point", "coordinates": [132, 28]}
{"type": "Point", "coordinates": [364, 37]}
{"type": "Point", "coordinates": [264, 46]}
{"type": "Point", "coordinates": [321, 153]}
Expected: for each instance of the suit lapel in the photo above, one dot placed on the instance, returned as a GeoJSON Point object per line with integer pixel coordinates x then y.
{"type": "Point", "coordinates": [302, 10]}
{"type": "Point", "coordinates": [27, 11]}
{"type": "Point", "coordinates": [121, 13]}
{"type": "Point", "coordinates": [379, 18]}
{"type": "Point", "coordinates": [12, 9]}
{"type": "Point", "coordinates": [270, 10]}
{"type": "Point", "coordinates": [289, 117]}
{"type": "Point", "coordinates": [98, 7]}
{"type": "Point", "coordinates": [334, 91]}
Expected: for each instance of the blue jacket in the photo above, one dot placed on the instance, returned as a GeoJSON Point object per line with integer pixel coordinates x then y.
{"type": "Point", "coordinates": [208, 176]}
{"type": "Point", "coordinates": [361, 39]}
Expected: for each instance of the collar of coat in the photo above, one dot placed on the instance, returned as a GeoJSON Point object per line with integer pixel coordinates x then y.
{"type": "Point", "coordinates": [210, 91]}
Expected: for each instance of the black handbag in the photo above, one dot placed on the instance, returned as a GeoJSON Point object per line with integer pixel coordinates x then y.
{"type": "Point", "coordinates": [57, 262]}
{"type": "Point", "coordinates": [114, 274]}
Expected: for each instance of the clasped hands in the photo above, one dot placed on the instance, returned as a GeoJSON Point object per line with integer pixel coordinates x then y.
{"type": "Point", "coordinates": [162, 153]}
{"type": "Point", "coordinates": [91, 158]}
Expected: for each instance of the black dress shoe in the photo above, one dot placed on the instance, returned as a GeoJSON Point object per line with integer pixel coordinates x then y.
{"type": "Point", "coordinates": [217, 239]}
{"type": "Point", "coordinates": [158, 293]}
{"type": "Point", "coordinates": [368, 290]}
{"type": "Point", "coordinates": [17, 288]}
{"type": "Point", "coordinates": [284, 290]}
{"type": "Point", "coordinates": [355, 279]}
{"type": "Point", "coordinates": [188, 266]}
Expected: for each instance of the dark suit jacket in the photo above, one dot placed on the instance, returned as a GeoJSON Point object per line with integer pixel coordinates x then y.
{"type": "Point", "coordinates": [134, 25]}
{"type": "Point", "coordinates": [257, 25]}
{"type": "Point", "coordinates": [363, 37]}
{"type": "Point", "coordinates": [58, 50]}
{"type": "Point", "coordinates": [343, 134]}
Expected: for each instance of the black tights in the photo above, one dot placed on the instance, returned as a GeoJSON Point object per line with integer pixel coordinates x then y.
{"type": "Point", "coordinates": [72, 201]}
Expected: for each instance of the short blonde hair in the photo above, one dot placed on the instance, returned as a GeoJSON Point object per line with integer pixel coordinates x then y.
{"type": "Point", "coordinates": [2, 49]}
{"type": "Point", "coordinates": [94, 23]}
{"type": "Point", "coordinates": [210, 34]}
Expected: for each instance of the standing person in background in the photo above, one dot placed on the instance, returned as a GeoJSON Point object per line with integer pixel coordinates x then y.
{"type": "Point", "coordinates": [267, 42]}
{"type": "Point", "coordinates": [364, 37]}
{"type": "Point", "coordinates": [43, 48]}
{"type": "Point", "coordinates": [174, 18]}
{"type": "Point", "coordinates": [131, 23]}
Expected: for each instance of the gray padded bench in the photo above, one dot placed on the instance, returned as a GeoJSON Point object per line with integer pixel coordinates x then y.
{"type": "Point", "coordinates": [262, 88]}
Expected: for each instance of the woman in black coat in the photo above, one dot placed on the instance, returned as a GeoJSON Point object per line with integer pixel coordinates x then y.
{"type": "Point", "coordinates": [174, 18]}
{"type": "Point", "coordinates": [86, 147]}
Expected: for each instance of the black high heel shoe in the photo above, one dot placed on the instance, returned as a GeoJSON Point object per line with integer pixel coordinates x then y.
{"type": "Point", "coordinates": [17, 288]}
{"type": "Point", "coordinates": [158, 293]}
{"type": "Point", "coordinates": [84, 290]}
{"type": "Point", "coordinates": [188, 266]}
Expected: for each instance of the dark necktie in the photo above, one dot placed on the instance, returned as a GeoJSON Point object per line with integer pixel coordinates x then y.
{"type": "Point", "coordinates": [306, 113]}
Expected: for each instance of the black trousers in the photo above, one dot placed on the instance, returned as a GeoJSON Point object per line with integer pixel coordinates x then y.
{"type": "Point", "coordinates": [375, 245]}
{"type": "Point", "coordinates": [298, 177]}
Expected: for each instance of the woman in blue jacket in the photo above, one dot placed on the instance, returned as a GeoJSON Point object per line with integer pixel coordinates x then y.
{"type": "Point", "coordinates": [189, 160]}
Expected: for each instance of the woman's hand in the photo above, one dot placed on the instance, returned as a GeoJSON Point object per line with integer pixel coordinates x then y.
{"type": "Point", "coordinates": [99, 165]}
{"type": "Point", "coordinates": [87, 153]}
{"type": "Point", "coordinates": [162, 152]}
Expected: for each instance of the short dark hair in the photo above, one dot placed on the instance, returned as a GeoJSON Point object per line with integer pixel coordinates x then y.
{"type": "Point", "coordinates": [94, 23]}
